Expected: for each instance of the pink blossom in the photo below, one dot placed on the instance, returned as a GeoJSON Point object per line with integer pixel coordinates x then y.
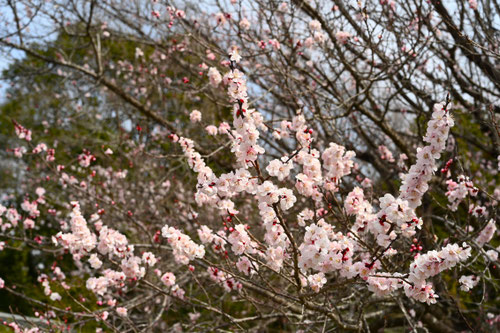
{"type": "Point", "coordinates": [315, 25]}
{"type": "Point", "coordinates": [94, 261]}
{"type": "Point", "coordinates": [214, 76]}
{"type": "Point", "coordinates": [487, 233]}
{"type": "Point", "coordinates": [385, 154]}
{"type": "Point", "coordinates": [244, 24]}
{"type": "Point", "coordinates": [467, 282]}
{"type": "Point", "coordinates": [168, 279]}
{"type": "Point", "coordinates": [342, 36]}
{"type": "Point", "coordinates": [195, 116]}
{"type": "Point", "coordinates": [280, 169]}
{"type": "Point", "coordinates": [211, 130]}
{"type": "Point", "coordinates": [316, 281]}
{"type": "Point", "coordinates": [184, 249]}
{"type": "Point", "coordinates": [121, 311]}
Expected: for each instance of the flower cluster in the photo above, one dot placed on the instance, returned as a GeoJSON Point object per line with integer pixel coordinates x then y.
{"type": "Point", "coordinates": [113, 243]}
{"type": "Point", "coordinates": [110, 279]}
{"type": "Point", "coordinates": [240, 240]}
{"type": "Point", "coordinates": [246, 121]}
{"type": "Point", "coordinates": [85, 159]}
{"type": "Point", "coordinates": [22, 132]}
{"type": "Point", "coordinates": [80, 241]}
{"type": "Point", "coordinates": [214, 76]}
{"type": "Point", "coordinates": [397, 211]}
{"type": "Point", "coordinates": [458, 191]}
{"type": "Point", "coordinates": [325, 250]}
{"type": "Point", "coordinates": [383, 284]}
{"type": "Point", "coordinates": [415, 182]}
{"type": "Point", "coordinates": [184, 249]}
{"type": "Point", "coordinates": [430, 264]}
{"type": "Point", "coordinates": [487, 233]}
{"type": "Point", "coordinates": [337, 162]}
{"type": "Point", "coordinates": [355, 204]}
{"type": "Point", "coordinates": [386, 154]}
{"type": "Point", "coordinates": [467, 282]}
{"type": "Point", "coordinates": [223, 279]}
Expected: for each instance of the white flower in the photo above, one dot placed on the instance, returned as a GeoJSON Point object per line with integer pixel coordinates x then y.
{"type": "Point", "coordinates": [94, 261]}
{"type": "Point", "coordinates": [149, 258]}
{"type": "Point", "coordinates": [244, 24]}
{"type": "Point", "coordinates": [316, 281]}
{"type": "Point", "coordinates": [121, 311]}
{"type": "Point", "coordinates": [211, 130]}
{"type": "Point", "coordinates": [315, 25]}
{"type": "Point", "coordinates": [492, 255]}
{"type": "Point", "coordinates": [234, 55]}
{"type": "Point", "coordinates": [279, 169]}
{"type": "Point", "coordinates": [195, 116]}
{"type": "Point", "coordinates": [168, 279]}
{"type": "Point", "coordinates": [468, 282]}
{"type": "Point", "coordinates": [55, 297]}
{"type": "Point", "coordinates": [214, 76]}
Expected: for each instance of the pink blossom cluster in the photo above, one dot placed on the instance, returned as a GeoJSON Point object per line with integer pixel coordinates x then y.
{"type": "Point", "coordinates": [247, 266]}
{"type": "Point", "coordinates": [467, 282]}
{"type": "Point", "coordinates": [113, 243]}
{"type": "Point", "coordinates": [18, 329]}
{"type": "Point", "coordinates": [184, 249]}
{"type": "Point", "coordinates": [195, 116]}
{"type": "Point", "coordinates": [39, 148]}
{"type": "Point", "coordinates": [457, 191]}
{"type": "Point", "coordinates": [415, 182]}
{"type": "Point", "coordinates": [31, 208]}
{"type": "Point", "coordinates": [487, 233]}
{"type": "Point", "coordinates": [316, 281]}
{"type": "Point", "coordinates": [80, 241]}
{"type": "Point", "coordinates": [386, 154]}
{"type": "Point", "coordinates": [355, 204]}
{"type": "Point", "coordinates": [110, 279]}
{"type": "Point", "coordinates": [269, 198]}
{"type": "Point", "coordinates": [43, 279]}
{"type": "Point", "coordinates": [246, 121]}
{"type": "Point", "coordinates": [325, 250]}
{"type": "Point", "coordinates": [397, 212]}
{"type": "Point", "coordinates": [169, 279]}
{"type": "Point", "coordinates": [423, 267]}
{"type": "Point", "coordinates": [85, 159]}
{"type": "Point", "coordinates": [240, 240]}
{"type": "Point", "coordinates": [214, 76]}
{"type": "Point", "coordinates": [131, 267]}
{"type": "Point", "coordinates": [383, 284]}
{"type": "Point", "coordinates": [337, 162]}
{"type": "Point", "coordinates": [400, 211]}
{"type": "Point", "coordinates": [308, 182]}
{"type": "Point", "coordinates": [210, 189]}
{"type": "Point", "coordinates": [342, 37]}
{"type": "Point", "coordinates": [223, 279]}
{"type": "Point", "coordinates": [12, 215]}
{"type": "Point", "coordinates": [22, 132]}
{"type": "Point", "coordinates": [430, 264]}
{"type": "Point", "coordinates": [244, 24]}
{"type": "Point", "coordinates": [280, 168]}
